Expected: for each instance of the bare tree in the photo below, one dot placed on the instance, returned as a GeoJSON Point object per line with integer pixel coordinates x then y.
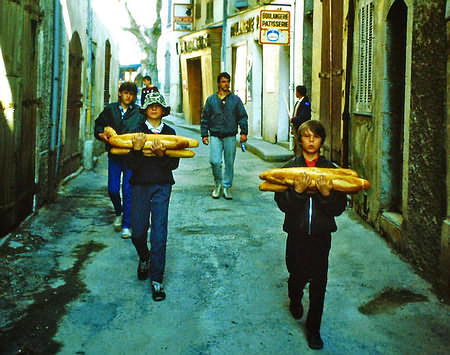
{"type": "Point", "coordinates": [147, 38]}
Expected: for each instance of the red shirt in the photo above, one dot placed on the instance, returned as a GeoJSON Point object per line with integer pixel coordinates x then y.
{"type": "Point", "coordinates": [311, 163]}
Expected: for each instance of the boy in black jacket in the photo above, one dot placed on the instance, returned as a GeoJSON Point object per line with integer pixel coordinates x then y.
{"type": "Point", "coordinates": [152, 182]}
{"type": "Point", "coordinates": [309, 222]}
{"type": "Point", "coordinates": [124, 117]}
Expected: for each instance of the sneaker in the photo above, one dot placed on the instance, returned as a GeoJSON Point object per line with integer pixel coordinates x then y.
{"type": "Point", "coordinates": [158, 293]}
{"type": "Point", "coordinates": [126, 233]}
{"type": "Point", "coordinates": [227, 193]}
{"type": "Point", "coordinates": [117, 224]}
{"type": "Point", "coordinates": [142, 270]}
{"type": "Point", "coordinates": [217, 191]}
{"type": "Point", "coordinates": [314, 340]}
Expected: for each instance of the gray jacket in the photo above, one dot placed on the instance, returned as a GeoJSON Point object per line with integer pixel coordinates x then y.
{"type": "Point", "coordinates": [222, 117]}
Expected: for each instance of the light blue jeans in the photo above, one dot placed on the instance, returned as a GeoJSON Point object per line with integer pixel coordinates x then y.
{"type": "Point", "coordinates": [227, 147]}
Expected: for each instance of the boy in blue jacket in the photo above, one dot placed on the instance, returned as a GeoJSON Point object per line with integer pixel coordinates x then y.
{"type": "Point", "coordinates": [309, 222]}
{"type": "Point", "coordinates": [152, 182]}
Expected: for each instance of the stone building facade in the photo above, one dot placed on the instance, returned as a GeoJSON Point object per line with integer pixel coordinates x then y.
{"type": "Point", "coordinates": [58, 67]}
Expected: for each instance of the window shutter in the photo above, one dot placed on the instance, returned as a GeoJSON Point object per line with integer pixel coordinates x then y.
{"type": "Point", "coordinates": [364, 90]}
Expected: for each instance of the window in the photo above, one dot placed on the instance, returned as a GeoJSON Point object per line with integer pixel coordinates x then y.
{"type": "Point", "coordinates": [198, 9]}
{"type": "Point", "coordinates": [210, 11]}
{"type": "Point", "coordinates": [240, 3]}
{"type": "Point", "coordinates": [364, 92]}
{"type": "Point", "coordinates": [169, 14]}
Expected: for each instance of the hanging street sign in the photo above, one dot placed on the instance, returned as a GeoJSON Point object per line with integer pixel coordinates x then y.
{"type": "Point", "coordinates": [274, 27]}
{"type": "Point", "coordinates": [183, 19]}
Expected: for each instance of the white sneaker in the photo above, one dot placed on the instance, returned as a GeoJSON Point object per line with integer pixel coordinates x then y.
{"type": "Point", "coordinates": [227, 193]}
{"type": "Point", "coordinates": [117, 224]}
{"type": "Point", "coordinates": [126, 233]}
{"type": "Point", "coordinates": [217, 191]}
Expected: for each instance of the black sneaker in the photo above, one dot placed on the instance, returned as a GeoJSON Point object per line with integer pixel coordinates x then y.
{"type": "Point", "coordinates": [296, 309]}
{"type": "Point", "coordinates": [314, 340]}
{"type": "Point", "coordinates": [158, 293]}
{"type": "Point", "coordinates": [142, 270]}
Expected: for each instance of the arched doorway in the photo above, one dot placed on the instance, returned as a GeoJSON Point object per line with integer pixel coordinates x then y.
{"type": "Point", "coordinates": [394, 107]}
{"type": "Point", "coordinates": [106, 94]}
{"type": "Point", "coordinates": [71, 148]}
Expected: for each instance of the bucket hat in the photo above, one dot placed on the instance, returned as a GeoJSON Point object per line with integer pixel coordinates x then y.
{"type": "Point", "coordinates": [155, 97]}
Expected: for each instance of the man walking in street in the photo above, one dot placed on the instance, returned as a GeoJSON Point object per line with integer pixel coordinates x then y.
{"type": "Point", "coordinates": [124, 117]}
{"type": "Point", "coordinates": [222, 114]}
{"type": "Point", "coordinates": [302, 113]}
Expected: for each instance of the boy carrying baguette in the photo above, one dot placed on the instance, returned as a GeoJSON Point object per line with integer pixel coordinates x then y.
{"type": "Point", "coordinates": [309, 221]}
{"type": "Point", "coordinates": [152, 181]}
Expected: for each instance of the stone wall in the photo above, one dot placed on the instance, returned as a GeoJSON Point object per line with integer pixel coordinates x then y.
{"type": "Point", "coordinates": [427, 158]}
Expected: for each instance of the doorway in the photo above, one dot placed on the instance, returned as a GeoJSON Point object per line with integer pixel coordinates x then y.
{"type": "Point", "coordinates": [71, 151]}
{"type": "Point", "coordinates": [194, 69]}
{"type": "Point", "coordinates": [394, 110]}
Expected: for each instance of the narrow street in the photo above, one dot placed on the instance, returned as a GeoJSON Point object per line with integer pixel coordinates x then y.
{"type": "Point", "coordinates": [69, 285]}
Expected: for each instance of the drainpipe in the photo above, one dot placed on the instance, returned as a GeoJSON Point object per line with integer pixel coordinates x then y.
{"type": "Point", "coordinates": [55, 74]}
{"type": "Point", "coordinates": [61, 100]}
{"type": "Point", "coordinates": [224, 34]}
{"type": "Point", "coordinates": [89, 143]}
{"type": "Point", "coordinates": [292, 70]}
{"type": "Point", "coordinates": [348, 79]}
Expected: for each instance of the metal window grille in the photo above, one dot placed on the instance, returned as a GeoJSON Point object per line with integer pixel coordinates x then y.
{"type": "Point", "coordinates": [364, 92]}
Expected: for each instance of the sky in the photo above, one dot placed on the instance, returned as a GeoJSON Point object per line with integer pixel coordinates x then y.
{"type": "Point", "coordinates": [113, 14]}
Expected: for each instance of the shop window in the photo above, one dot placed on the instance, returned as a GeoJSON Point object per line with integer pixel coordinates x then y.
{"type": "Point", "coordinates": [364, 92]}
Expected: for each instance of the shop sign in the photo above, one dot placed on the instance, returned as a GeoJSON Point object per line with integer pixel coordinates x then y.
{"type": "Point", "coordinates": [183, 19]}
{"type": "Point", "coordinates": [194, 44]}
{"type": "Point", "coordinates": [242, 27]}
{"type": "Point", "coordinates": [274, 27]}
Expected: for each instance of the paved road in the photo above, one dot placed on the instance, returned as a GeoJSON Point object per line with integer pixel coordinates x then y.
{"type": "Point", "coordinates": [70, 287]}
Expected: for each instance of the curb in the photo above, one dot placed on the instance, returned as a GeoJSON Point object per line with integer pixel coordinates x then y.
{"type": "Point", "coordinates": [266, 151]}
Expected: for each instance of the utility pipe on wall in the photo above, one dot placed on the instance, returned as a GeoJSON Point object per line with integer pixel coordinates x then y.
{"type": "Point", "coordinates": [55, 73]}
{"type": "Point", "coordinates": [224, 34]}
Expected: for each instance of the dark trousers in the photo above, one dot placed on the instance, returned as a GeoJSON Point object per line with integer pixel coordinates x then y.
{"type": "Point", "coordinates": [117, 168]}
{"type": "Point", "coordinates": [307, 261]}
{"type": "Point", "coordinates": [151, 200]}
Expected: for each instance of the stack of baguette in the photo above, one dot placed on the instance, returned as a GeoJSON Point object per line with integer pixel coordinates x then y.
{"type": "Point", "coordinates": [175, 145]}
{"type": "Point", "coordinates": [345, 180]}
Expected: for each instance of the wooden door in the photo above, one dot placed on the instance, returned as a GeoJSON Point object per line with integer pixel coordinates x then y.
{"type": "Point", "coordinates": [71, 148]}
{"type": "Point", "coordinates": [18, 58]}
{"type": "Point", "coordinates": [331, 75]}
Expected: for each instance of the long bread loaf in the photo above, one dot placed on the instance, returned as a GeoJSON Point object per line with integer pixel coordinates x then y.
{"type": "Point", "coordinates": [170, 141]}
{"type": "Point", "coordinates": [171, 153]}
{"type": "Point", "coordinates": [343, 179]}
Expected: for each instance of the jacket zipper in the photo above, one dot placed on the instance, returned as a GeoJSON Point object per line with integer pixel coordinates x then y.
{"type": "Point", "coordinates": [309, 215]}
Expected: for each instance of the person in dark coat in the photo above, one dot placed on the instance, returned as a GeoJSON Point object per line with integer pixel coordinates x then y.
{"type": "Point", "coordinates": [222, 114]}
{"type": "Point", "coordinates": [309, 222]}
{"type": "Point", "coordinates": [124, 117]}
{"type": "Point", "coordinates": [152, 182]}
{"type": "Point", "coordinates": [302, 113]}
{"type": "Point", "coordinates": [147, 89]}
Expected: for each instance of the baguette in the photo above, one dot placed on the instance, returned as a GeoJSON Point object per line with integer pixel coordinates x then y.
{"type": "Point", "coordinates": [170, 141]}
{"type": "Point", "coordinates": [341, 179]}
{"type": "Point", "coordinates": [174, 153]}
